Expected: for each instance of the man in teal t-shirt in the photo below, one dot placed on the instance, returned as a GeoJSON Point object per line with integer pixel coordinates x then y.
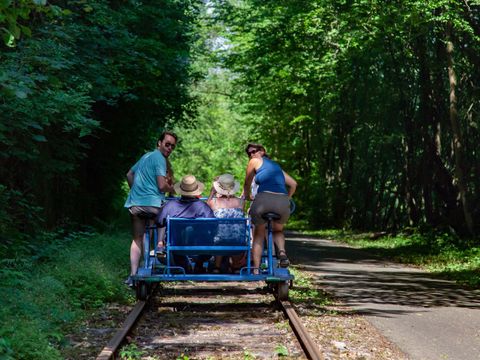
{"type": "Point", "coordinates": [149, 179]}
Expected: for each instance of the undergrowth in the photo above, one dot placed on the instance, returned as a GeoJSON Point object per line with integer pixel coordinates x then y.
{"type": "Point", "coordinates": [305, 292]}
{"type": "Point", "coordinates": [47, 289]}
{"type": "Point", "coordinates": [440, 253]}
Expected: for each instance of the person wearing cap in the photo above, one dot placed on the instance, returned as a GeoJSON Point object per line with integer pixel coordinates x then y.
{"type": "Point", "coordinates": [149, 179]}
{"type": "Point", "coordinates": [225, 204]}
{"type": "Point", "coordinates": [275, 189]}
{"type": "Point", "coordinates": [188, 206]}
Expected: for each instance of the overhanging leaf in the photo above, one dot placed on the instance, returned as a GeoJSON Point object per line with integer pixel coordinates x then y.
{"type": "Point", "coordinates": [39, 138]}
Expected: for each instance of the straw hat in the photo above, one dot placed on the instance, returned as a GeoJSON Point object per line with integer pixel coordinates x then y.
{"type": "Point", "coordinates": [226, 185]}
{"type": "Point", "coordinates": [189, 186]}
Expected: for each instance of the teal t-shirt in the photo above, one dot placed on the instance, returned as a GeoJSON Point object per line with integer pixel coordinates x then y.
{"type": "Point", "coordinates": [144, 191]}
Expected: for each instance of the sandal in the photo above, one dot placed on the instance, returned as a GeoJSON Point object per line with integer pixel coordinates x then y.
{"type": "Point", "coordinates": [283, 259]}
{"type": "Point", "coordinates": [161, 254]}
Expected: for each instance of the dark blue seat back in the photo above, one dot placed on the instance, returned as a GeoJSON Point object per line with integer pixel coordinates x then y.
{"type": "Point", "coordinates": [208, 232]}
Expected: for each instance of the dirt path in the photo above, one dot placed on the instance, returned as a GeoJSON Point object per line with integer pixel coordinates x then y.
{"type": "Point", "coordinates": [428, 318]}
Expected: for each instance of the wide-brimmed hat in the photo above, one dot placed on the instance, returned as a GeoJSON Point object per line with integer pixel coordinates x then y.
{"type": "Point", "coordinates": [226, 185]}
{"type": "Point", "coordinates": [189, 186]}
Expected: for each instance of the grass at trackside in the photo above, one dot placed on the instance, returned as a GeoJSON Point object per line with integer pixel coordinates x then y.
{"type": "Point", "coordinates": [442, 254]}
{"type": "Point", "coordinates": [45, 295]}
{"type": "Point", "coordinates": [305, 291]}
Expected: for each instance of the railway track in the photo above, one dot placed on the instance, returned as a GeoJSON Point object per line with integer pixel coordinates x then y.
{"type": "Point", "coordinates": [214, 320]}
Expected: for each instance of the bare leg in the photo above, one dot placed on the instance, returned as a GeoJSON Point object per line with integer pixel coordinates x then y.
{"type": "Point", "coordinates": [257, 245]}
{"type": "Point", "coordinates": [278, 236]}
{"type": "Point", "coordinates": [135, 254]}
{"type": "Point", "coordinates": [279, 239]}
{"type": "Point", "coordinates": [161, 238]}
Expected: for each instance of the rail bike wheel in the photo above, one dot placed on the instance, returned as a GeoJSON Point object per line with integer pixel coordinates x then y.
{"type": "Point", "coordinates": [282, 291]}
{"type": "Point", "coordinates": [142, 290]}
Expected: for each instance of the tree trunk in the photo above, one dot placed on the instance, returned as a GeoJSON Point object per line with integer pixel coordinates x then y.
{"type": "Point", "coordinates": [457, 136]}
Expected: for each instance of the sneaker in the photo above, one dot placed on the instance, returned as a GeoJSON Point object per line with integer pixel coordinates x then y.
{"type": "Point", "coordinates": [129, 282]}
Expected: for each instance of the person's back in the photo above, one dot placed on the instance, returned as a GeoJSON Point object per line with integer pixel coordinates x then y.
{"type": "Point", "coordinates": [145, 191]}
{"type": "Point", "coordinates": [269, 177]}
{"type": "Point", "coordinates": [187, 207]}
{"type": "Point", "coordinates": [275, 189]}
{"type": "Point", "coordinates": [226, 205]}
{"type": "Point", "coordinates": [148, 180]}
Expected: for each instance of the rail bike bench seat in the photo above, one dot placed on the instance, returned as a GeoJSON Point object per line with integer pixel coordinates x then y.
{"type": "Point", "coordinates": [209, 237]}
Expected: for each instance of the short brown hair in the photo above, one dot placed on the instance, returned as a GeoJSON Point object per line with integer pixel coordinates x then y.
{"type": "Point", "coordinates": [165, 133]}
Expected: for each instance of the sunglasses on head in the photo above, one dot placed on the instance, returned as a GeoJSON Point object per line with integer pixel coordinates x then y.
{"type": "Point", "coordinates": [251, 152]}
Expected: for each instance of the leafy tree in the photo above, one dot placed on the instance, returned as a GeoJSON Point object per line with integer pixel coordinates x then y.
{"type": "Point", "coordinates": [355, 96]}
{"type": "Point", "coordinates": [81, 98]}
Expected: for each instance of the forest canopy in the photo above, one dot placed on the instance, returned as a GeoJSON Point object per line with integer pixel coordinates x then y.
{"type": "Point", "coordinates": [86, 87]}
{"type": "Point", "coordinates": [372, 106]}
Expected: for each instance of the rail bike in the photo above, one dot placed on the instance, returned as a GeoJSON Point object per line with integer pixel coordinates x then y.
{"type": "Point", "coordinates": [190, 242]}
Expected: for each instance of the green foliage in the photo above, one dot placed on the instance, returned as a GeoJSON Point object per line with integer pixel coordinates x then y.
{"type": "Point", "coordinates": [281, 350]}
{"type": "Point", "coordinates": [247, 355]}
{"type": "Point", "coordinates": [14, 16]}
{"type": "Point", "coordinates": [182, 357]}
{"type": "Point", "coordinates": [441, 253]}
{"type": "Point", "coordinates": [46, 295]}
{"type": "Point", "coordinates": [215, 143]}
{"type": "Point", "coordinates": [353, 99]}
{"type": "Point", "coordinates": [81, 99]}
{"type": "Point", "coordinates": [131, 352]}
{"type": "Point", "coordinates": [6, 352]}
{"type": "Point", "coordinates": [18, 216]}
{"type": "Point", "coordinates": [305, 291]}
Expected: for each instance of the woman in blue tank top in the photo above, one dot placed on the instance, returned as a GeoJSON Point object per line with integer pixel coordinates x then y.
{"type": "Point", "coordinates": [275, 189]}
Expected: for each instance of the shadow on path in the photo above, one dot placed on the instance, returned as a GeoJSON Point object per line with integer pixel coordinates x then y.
{"type": "Point", "coordinates": [367, 283]}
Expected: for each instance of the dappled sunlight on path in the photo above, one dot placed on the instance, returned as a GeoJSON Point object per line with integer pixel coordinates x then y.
{"type": "Point", "coordinates": [428, 317]}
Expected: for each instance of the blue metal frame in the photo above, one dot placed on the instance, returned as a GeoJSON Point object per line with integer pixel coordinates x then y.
{"type": "Point", "coordinates": [154, 271]}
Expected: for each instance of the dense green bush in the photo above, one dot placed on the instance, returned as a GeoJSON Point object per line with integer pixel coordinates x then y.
{"type": "Point", "coordinates": [85, 91]}
{"type": "Point", "coordinates": [45, 296]}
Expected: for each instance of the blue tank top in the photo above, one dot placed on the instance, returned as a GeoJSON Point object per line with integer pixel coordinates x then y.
{"type": "Point", "coordinates": [269, 177]}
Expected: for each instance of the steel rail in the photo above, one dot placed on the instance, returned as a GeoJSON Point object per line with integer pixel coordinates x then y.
{"type": "Point", "coordinates": [109, 351]}
{"type": "Point", "coordinates": [308, 345]}
{"type": "Point", "coordinates": [311, 349]}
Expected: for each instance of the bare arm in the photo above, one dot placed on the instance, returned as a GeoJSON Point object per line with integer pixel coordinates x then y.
{"type": "Point", "coordinates": [163, 185]}
{"type": "Point", "coordinates": [291, 184]}
{"type": "Point", "coordinates": [252, 166]}
{"type": "Point", "coordinates": [130, 177]}
{"type": "Point", "coordinates": [210, 201]}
